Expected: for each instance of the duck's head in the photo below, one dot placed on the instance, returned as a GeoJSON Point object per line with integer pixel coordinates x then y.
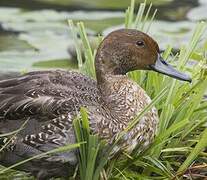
{"type": "Point", "coordinates": [126, 50]}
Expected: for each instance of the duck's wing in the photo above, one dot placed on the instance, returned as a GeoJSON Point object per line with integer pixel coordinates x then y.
{"type": "Point", "coordinates": [48, 101]}
{"type": "Point", "coordinates": [46, 94]}
{"type": "Point", "coordinates": [56, 133]}
{"type": "Point", "coordinates": [8, 75]}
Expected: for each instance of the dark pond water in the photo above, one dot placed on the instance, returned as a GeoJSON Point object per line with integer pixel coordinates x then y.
{"type": "Point", "coordinates": [34, 34]}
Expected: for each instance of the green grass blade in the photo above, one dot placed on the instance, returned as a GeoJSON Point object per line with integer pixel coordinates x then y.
{"type": "Point", "coordinates": [14, 134]}
{"type": "Point", "coordinates": [202, 143]}
{"type": "Point", "coordinates": [146, 109]}
{"type": "Point", "coordinates": [57, 150]}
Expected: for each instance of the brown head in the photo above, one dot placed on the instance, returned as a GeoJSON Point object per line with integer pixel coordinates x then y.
{"type": "Point", "coordinates": [126, 50]}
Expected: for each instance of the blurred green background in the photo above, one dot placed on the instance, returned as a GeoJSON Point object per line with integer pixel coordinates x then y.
{"type": "Point", "coordinates": [34, 34]}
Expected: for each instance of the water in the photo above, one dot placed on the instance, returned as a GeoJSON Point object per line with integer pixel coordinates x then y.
{"type": "Point", "coordinates": [34, 34]}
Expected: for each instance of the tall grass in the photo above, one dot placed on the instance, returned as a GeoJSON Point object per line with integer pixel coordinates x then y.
{"type": "Point", "coordinates": [89, 54]}
{"type": "Point", "coordinates": [88, 152]}
{"type": "Point", "coordinates": [181, 135]}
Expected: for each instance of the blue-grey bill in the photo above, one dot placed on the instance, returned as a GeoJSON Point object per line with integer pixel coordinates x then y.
{"type": "Point", "coordinates": [163, 67]}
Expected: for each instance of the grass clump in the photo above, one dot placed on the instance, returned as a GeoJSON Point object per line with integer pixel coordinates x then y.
{"type": "Point", "coordinates": [180, 141]}
{"type": "Point", "coordinates": [86, 67]}
{"type": "Point", "coordinates": [88, 152]}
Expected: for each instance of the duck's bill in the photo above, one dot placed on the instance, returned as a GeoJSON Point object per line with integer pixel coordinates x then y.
{"type": "Point", "coordinates": [163, 67]}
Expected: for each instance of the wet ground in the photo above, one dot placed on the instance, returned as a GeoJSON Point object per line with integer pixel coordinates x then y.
{"type": "Point", "coordinates": [34, 34]}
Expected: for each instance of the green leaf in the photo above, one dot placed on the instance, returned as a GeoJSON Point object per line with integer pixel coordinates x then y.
{"type": "Point", "coordinates": [202, 143]}
{"type": "Point", "coordinates": [54, 151]}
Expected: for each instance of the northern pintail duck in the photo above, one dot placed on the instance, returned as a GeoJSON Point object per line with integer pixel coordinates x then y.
{"type": "Point", "coordinates": [49, 101]}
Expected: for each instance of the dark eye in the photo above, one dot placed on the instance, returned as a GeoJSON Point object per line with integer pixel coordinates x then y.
{"type": "Point", "coordinates": [140, 43]}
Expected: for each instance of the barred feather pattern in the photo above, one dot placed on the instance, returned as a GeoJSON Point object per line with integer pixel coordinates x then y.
{"type": "Point", "coordinates": [50, 100]}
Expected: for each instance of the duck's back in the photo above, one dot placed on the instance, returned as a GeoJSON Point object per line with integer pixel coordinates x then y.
{"type": "Point", "coordinates": [21, 96]}
{"type": "Point", "coordinates": [47, 101]}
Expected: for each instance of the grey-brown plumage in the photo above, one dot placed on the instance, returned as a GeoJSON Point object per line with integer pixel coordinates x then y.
{"type": "Point", "coordinates": [49, 101]}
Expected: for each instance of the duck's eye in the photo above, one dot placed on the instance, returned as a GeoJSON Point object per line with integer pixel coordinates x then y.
{"type": "Point", "coordinates": [140, 43]}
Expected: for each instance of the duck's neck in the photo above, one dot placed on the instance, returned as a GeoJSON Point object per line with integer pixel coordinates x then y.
{"type": "Point", "coordinates": [105, 70]}
{"type": "Point", "coordinates": [118, 92]}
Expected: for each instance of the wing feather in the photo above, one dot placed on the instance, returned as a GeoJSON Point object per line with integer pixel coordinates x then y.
{"type": "Point", "coordinates": [47, 93]}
